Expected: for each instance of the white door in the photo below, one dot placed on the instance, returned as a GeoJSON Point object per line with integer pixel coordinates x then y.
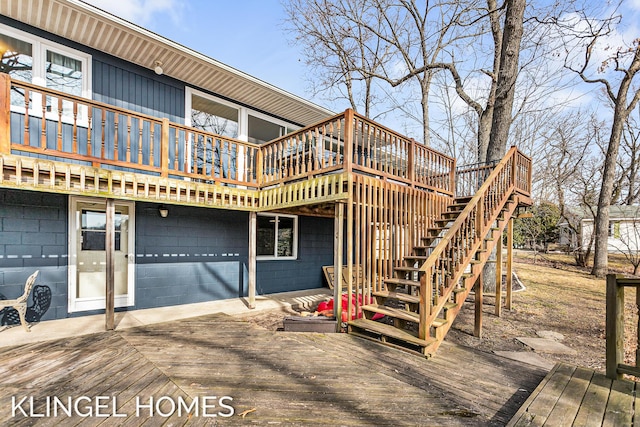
{"type": "Point", "coordinates": [87, 264]}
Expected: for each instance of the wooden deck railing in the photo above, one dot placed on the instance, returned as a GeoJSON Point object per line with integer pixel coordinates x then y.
{"type": "Point", "coordinates": [351, 142]}
{"type": "Point", "coordinates": [615, 325]}
{"type": "Point", "coordinates": [445, 265]}
{"type": "Point", "coordinates": [59, 125]}
{"type": "Point", "coordinates": [51, 123]}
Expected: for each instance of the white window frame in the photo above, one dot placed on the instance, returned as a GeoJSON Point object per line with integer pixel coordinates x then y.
{"type": "Point", "coordinates": [39, 48]}
{"type": "Point", "coordinates": [295, 239]}
{"type": "Point", "coordinates": [243, 113]}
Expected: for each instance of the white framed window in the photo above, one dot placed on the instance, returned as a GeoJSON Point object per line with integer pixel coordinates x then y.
{"type": "Point", "coordinates": [32, 59]}
{"type": "Point", "coordinates": [277, 236]}
{"type": "Point", "coordinates": [213, 114]}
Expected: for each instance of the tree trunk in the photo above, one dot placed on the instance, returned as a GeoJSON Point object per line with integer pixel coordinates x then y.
{"type": "Point", "coordinates": [505, 91]}
{"type": "Point", "coordinates": [425, 84]}
{"type": "Point", "coordinates": [600, 254]}
{"type": "Point", "coordinates": [507, 75]}
{"type": "Point", "coordinates": [484, 132]}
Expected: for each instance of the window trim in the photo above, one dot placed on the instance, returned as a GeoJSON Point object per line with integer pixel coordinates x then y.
{"type": "Point", "coordinates": [39, 47]}
{"type": "Point", "coordinates": [275, 256]}
{"type": "Point", "coordinates": [243, 113]}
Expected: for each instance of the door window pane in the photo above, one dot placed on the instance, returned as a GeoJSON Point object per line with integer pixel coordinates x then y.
{"type": "Point", "coordinates": [94, 226]}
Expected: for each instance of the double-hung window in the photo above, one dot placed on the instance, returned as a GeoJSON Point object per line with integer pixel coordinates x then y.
{"type": "Point", "coordinates": [31, 59]}
{"type": "Point", "coordinates": [277, 236]}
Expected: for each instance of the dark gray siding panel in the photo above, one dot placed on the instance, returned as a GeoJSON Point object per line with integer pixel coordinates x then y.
{"type": "Point", "coordinates": [315, 249]}
{"type": "Point", "coordinates": [193, 255]}
{"type": "Point", "coordinates": [33, 236]}
{"type": "Point", "coordinates": [134, 88]}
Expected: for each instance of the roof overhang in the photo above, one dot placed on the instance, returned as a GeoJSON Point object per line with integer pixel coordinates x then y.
{"type": "Point", "coordinates": [93, 27]}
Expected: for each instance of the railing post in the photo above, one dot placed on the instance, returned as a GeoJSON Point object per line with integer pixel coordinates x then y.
{"type": "Point", "coordinates": [514, 169]}
{"type": "Point", "coordinates": [260, 167]}
{"type": "Point", "coordinates": [452, 178]}
{"type": "Point", "coordinates": [614, 327]}
{"type": "Point", "coordinates": [349, 141]}
{"type": "Point", "coordinates": [5, 114]}
{"type": "Point", "coordinates": [426, 292]}
{"type": "Point", "coordinates": [164, 149]}
{"type": "Point", "coordinates": [411, 169]}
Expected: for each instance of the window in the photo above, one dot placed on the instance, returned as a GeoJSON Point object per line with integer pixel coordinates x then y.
{"type": "Point", "coordinates": [223, 117]}
{"type": "Point", "coordinates": [215, 117]}
{"type": "Point", "coordinates": [94, 228]}
{"type": "Point", "coordinates": [614, 229]}
{"type": "Point", "coordinates": [261, 131]}
{"type": "Point", "coordinates": [277, 236]}
{"type": "Point", "coordinates": [31, 59]}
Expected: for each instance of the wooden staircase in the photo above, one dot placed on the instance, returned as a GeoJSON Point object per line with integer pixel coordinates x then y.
{"type": "Point", "coordinates": [430, 286]}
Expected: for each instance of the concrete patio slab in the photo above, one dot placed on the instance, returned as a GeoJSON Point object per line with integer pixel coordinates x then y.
{"type": "Point", "coordinates": [543, 345]}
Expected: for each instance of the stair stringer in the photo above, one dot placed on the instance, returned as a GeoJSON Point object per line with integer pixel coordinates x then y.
{"type": "Point", "coordinates": [459, 298]}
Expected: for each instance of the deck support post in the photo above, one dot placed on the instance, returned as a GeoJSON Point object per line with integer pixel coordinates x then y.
{"type": "Point", "coordinates": [338, 242]}
{"type": "Point", "coordinates": [477, 328]}
{"type": "Point", "coordinates": [110, 270]}
{"type": "Point", "coordinates": [498, 303]}
{"type": "Point", "coordinates": [509, 281]}
{"type": "Point", "coordinates": [614, 327]}
{"type": "Point", "coordinates": [5, 114]}
{"type": "Point", "coordinates": [253, 220]}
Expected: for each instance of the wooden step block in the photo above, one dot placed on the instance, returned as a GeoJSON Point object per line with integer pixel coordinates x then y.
{"type": "Point", "coordinates": [406, 269]}
{"type": "Point", "coordinates": [402, 282]}
{"type": "Point", "coordinates": [400, 296]}
{"type": "Point", "coordinates": [439, 322]}
{"type": "Point", "coordinates": [456, 207]}
{"type": "Point", "coordinates": [416, 257]}
{"type": "Point", "coordinates": [389, 331]}
{"type": "Point", "coordinates": [409, 316]}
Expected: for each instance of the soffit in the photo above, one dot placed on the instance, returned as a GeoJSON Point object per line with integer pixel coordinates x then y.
{"type": "Point", "coordinates": [90, 26]}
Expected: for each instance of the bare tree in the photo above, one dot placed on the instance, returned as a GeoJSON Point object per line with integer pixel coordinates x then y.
{"type": "Point", "coordinates": [623, 95]}
{"type": "Point", "coordinates": [626, 190]}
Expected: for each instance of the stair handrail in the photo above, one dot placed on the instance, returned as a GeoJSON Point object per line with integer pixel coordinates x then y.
{"type": "Point", "coordinates": [428, 311]}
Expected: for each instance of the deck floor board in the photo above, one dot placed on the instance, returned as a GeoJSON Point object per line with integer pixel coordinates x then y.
{"type": "Point", "coordinates": [570, 396]}
{"type": "Point", "coordinates": [288, 378]}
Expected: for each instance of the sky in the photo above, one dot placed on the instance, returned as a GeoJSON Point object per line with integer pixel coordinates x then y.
{"type": "Point", "coordinates": [248, 35]}
{"type": "Point", "coordinates": [244, 34]}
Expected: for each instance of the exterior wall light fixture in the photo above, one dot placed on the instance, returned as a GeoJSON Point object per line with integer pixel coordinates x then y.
{"type": "Point", "coordinates": [158, 68]}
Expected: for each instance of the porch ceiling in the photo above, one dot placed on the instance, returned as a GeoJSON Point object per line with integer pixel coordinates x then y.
{"type": "Point", "coordinates": [90, 26]}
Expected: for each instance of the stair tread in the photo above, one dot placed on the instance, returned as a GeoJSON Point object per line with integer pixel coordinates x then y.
{"type": "Point", "coordinates": [439, 322]}
{"type": "Point", "coordinates": [401, 296]}
{"type": "Point", "coordinates": [406, 268]}
{"type": "Point", "coordinates": [393, 312]}
{"type": "Point", "coordinates": [390, 331]}
{"type": "Point", "coordinates": [406, 282]}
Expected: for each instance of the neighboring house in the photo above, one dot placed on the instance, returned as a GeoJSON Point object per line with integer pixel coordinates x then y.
{"type": "Point", "coordinates": [624, 229]}
{"type": "Point", "coordinates": [138, 173]}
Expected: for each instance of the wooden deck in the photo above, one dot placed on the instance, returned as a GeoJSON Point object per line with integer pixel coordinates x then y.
{"type": "Point", "coordinates": [570, 396]}
{"type": "Point", "coordinates": [282, 378]}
